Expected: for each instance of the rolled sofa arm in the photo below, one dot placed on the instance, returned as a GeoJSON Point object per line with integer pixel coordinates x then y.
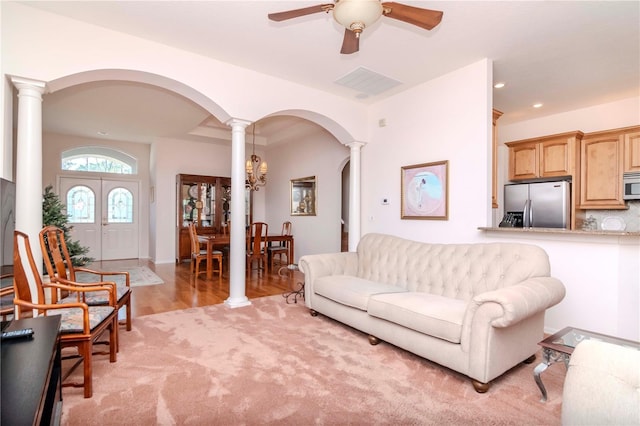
{"type": "Point", "coordinates": [319, 265]}
{"type": "Point", "coordinates": [315, 266]}
{"type": "Point", "coordinates": [520, 301]}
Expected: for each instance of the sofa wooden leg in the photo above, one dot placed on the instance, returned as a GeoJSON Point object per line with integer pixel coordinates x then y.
{"type": "Point", "coordinates": [480, 387]}
{"type": "Point", "coordinates": [530, 359]}
{"type": "Point", "coordinates": [373, 340]}
{"type": "Point", "coordinates": [313, 313]}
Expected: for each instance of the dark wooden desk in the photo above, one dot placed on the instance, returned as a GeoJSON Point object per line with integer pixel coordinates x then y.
{"type": "Point", "coordinates": [31, 392]}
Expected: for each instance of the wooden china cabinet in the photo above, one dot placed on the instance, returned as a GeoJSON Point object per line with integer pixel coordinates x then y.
{"type": "Point", "coordinates": [203, 200]}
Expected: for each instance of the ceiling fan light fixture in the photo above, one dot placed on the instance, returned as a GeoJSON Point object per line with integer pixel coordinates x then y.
{"type": "Point", "coordinates": [356, 15]}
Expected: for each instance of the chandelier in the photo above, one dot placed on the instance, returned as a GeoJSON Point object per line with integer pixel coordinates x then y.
{"type": "Point", "coordinates": [256, 176]}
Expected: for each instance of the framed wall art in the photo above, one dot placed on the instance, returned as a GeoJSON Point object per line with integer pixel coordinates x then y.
{"type": "Point", "coordinates": [424, 191]}
{"type": "Point", "coordinates": [303, 196]}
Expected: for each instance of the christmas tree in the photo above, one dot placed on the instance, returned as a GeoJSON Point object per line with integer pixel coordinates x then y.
{"type": "Point", "coordinates": [54, 213]}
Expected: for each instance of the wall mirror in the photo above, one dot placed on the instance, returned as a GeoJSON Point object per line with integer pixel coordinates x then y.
{"type": "Point", "coordinates": [303, 196]}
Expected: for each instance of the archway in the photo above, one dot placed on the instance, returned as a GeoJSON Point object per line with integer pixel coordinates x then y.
{"type": "Point", "coordinates": [339, 132]}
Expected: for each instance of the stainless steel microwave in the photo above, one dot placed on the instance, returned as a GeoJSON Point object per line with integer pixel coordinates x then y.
{"type": "Point", "coordinates": [631, 186]}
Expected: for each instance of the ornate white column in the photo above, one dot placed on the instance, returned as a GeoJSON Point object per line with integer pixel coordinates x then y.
{"type": "Point", "coordinates": [237, 253]}
{"type": "Point", "coordinates": [354, 191]}
{"type": "Point", "coordinates": [29, 162]}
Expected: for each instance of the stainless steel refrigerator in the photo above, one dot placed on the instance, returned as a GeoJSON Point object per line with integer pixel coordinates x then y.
{"type": "Point", "coordinates": [538, 205]}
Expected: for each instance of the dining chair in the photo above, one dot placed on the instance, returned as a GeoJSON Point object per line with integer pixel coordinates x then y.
{"type": "Point", "coordinates": [257, 245]}
{"type": "Point", "coordinates": [59, 265]}
{"type": "Point", "coordinates": [198, 254]}
{"type": "Point", "coordinates": [226, 250]}
{"type": "Point", "coordinates": [281, 248]}
{"type": "Point", "coordinates": [81, 325]}
{"type": "Point", "coordinates": [6, 297]}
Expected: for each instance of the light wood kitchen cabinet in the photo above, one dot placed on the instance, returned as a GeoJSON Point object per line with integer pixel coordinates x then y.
{"type": "Point", "coordinates": [494, 177]}
{"type": "Point", "coordinates": [523, 161]}
{"type": "Point", "coordinates": [632, 150]}
{"type": "Point", "coordinates": [546, 157]}
{"type": "Point", "coordinates": [604, 157]}
{"type": "Point", "coordinates": [601, 166]}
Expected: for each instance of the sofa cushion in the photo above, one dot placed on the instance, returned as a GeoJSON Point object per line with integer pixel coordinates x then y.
{"type": "Point", "coordinates": [351, 291]}
{"type": "Point", "coordinates": [426, 313]}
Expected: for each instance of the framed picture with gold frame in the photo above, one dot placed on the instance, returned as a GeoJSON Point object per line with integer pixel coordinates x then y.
{"type": "Point", "coordinates": [303, 196]}
{"type": "Point", "coordinates": [424, 191]}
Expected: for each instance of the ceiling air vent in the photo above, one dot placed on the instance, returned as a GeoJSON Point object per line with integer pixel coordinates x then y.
{"type": "Point", "coordinates": [367, 82]}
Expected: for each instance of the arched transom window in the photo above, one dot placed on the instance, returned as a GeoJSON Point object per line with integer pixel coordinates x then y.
{"type": "Point", "coordinates": [99, 160]}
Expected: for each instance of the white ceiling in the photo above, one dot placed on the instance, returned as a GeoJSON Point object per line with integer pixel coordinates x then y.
{"type": "Point", "coordinates": [566, 55]}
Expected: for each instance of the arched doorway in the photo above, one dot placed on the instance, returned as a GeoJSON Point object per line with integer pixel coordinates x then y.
{"type": "Point", "coordinates": [344, 231]}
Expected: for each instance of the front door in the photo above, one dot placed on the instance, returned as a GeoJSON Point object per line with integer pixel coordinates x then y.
{"type": "Point", "coordinates": [104, 215]}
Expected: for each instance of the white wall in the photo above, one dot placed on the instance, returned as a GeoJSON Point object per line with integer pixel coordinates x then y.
{"type": "Point", "coordinates": [7, 151]}
{"type": "Point", "coordinates": [319, 155]}
{"type": "Point", "coordinates": [611, 115]}
{"type": "Point", "coordinates": [448, 118]}
{"type": "Point", "coordinates": [171, 158]}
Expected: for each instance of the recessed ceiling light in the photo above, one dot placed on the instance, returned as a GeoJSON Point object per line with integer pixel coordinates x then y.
{"type": "Point", "coordinates": [538, 105]}
{"type": "Point", "coordinates": [103, 132]}
{"type": "Point", "coordinates": [498, 85]}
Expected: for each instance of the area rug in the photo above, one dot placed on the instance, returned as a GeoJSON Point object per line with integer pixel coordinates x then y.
{"type": "Point", "coordinates": [139, 276]}
{"type": "Point", "coordinates": [271, 363]}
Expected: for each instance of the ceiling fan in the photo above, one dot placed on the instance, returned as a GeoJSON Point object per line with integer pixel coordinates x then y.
{"type": "Point", "coordinates": [356, 15]}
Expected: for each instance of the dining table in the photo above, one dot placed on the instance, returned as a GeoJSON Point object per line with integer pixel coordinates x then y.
{"type": "Point", "coordinates": [213, 241]}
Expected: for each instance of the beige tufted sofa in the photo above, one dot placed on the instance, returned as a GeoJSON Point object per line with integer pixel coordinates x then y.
{"type": "Point", "coordinates": [475, 308]}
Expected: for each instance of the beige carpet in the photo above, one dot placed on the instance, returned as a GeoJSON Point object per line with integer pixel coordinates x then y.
{"type": "Point", "coordinates": [272, 363]}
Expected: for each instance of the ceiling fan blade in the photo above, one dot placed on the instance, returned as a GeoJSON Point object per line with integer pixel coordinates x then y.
{"type": "Point", "coordinates": [350, 43]}
{"type": "Point", "coordinates": [295, 13]}
{"type": "Point", "coordinates": [423, 18]}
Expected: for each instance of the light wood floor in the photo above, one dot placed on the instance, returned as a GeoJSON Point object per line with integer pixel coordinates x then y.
{"type": "Point", "coordinates": [182, 290]}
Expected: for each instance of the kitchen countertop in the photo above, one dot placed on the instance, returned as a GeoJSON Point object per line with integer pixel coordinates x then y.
{"type": "Point", "coordinates": [563, 231]}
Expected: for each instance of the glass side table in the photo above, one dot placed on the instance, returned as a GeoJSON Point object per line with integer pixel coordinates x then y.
{"type": "Point", "coordinates": [559, 347]}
